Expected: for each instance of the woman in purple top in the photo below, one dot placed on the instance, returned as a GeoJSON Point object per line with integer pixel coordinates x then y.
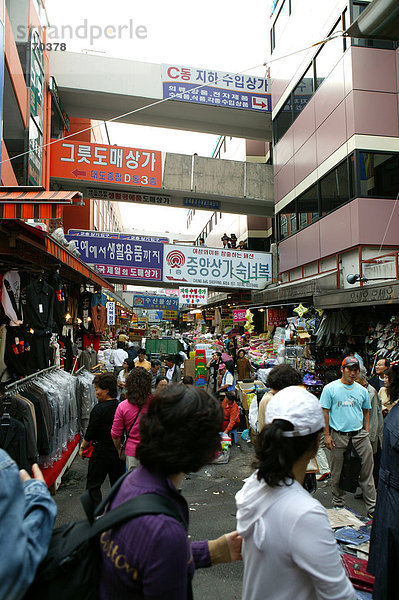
{"type": "Point", "coordinates": [129, 412]}
{"type": "Point", "coordinates": [151, 557]}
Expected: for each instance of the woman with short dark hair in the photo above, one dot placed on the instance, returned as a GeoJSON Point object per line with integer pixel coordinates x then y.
{"type": "Point", "coordinates": [244, 367]}
{"type": "Point", "coordinates": [159, 558]}
{"type": "Point", "coordinates": [289, 549]}
{"type": "Point", "coordinates": [128, 414]}
{"type": "Point", "coordinates": [104, 459]}
{"type": "Point", "coordinates": [389, 394]}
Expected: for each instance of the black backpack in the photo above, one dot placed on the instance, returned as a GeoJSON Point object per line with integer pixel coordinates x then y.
{"type": "Point", "coordinates": [72, 567]}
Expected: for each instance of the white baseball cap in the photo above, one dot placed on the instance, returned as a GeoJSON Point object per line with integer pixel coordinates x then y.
{"type": "Point", "coordinates": [299, 407]}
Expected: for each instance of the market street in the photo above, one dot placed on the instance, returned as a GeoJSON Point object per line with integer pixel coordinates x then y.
{"type": "Point", "coordinates": [210, 495]}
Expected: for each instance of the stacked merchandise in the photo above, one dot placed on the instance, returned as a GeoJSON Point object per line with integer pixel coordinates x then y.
{"type": "Point", "coordinates": [200, 375]}
{"type": "Point", "coordinates": [262, 353]}
{"type": "Point", "coordinates": [353, 537]}
{"type": "Point", "coordinates": [382, 340]}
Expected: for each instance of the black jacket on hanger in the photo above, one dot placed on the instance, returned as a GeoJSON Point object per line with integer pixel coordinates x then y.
{"type": "Point", "coordinates": [39, 308]}
{"type": "Point", "coordinates": [13, 441]}
{"type": "Point", "coordinates": [60, 302]}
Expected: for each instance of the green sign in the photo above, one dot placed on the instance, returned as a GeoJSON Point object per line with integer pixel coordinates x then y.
{"type": "Point", "coordinates": [37, 88]}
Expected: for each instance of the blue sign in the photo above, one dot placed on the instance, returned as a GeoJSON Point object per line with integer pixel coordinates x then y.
{"type": "Point", "coordinates": [202, 203]}
{"type": "Point", "coordinates": [156, 302]}
{"type": "Point", "coordinates": [116, 236]}
{"type": "Point", "coordinates": [189, 92]}
{"type": "Point", "coordinates": [122, 258]}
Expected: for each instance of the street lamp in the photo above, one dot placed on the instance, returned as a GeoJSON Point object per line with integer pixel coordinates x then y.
{"type": "Point", "coordinates": [355, 278]}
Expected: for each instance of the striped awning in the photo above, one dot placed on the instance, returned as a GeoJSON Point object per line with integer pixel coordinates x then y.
{"type": "Point", "coordinates": [25, 203]}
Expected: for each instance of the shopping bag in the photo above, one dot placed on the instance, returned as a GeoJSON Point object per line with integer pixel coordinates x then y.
{"type": "Point", "coordinates": [349, 479]}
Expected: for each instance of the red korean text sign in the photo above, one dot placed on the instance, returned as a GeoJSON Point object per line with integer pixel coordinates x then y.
{"type": "Point", "coordinates": [277, 316]}
{"type": "Point", "coordinates": [106, 164]}
{"type": "Point", "coordinates": [239, 315]}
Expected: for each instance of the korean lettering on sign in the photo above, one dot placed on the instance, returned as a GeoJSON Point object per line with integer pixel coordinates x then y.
{"type": "Point", "coordinates": [239, 315]}
{"type": "Point", "coordinates": [86, 233]}
{"type": "Point", "coordinates": [202, 203]}
{"type": "Point", "coordinates": [102, 163]}
{"type": "Point", "coordinates": [193, 296]}
{"type": "Point", "coordinates": [277, 316]}
{"type": "Point", "coordinates": [124, 259]}
{"type": "Point", "coordinates": [217, 88]}
{"type": "Point", "coordinates": [110, 313]}
{"type": "Point", "coordinates": [129, 197]}
{"type": "Point", "coordinates": [169, 315]}
{"type": "Point", "coordinates": [217, 268]}
{"type": "Point", "coordinates": [156, 302]}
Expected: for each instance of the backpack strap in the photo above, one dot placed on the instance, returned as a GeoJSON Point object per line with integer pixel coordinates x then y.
{"type": "Point", "coordinates": [146, 504]}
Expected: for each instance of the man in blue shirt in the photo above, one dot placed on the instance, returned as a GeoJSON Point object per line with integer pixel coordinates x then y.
{"type": "Point", "coordinates": [346, 407]}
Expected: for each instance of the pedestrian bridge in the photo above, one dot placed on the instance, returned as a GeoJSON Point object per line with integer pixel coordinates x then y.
{"type": "Point", "coordinates": [101, 87]}
{"type": "Point", "coordinates": [194, 181]}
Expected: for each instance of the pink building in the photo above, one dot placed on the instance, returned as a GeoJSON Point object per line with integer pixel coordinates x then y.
{"type": "Point", "coordinates": [335, 154]}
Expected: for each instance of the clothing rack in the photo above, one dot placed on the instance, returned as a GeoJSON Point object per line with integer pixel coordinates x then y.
{"type": "Point", "coordinates": [29, 377]}
{"type": "Point", "coordinates": [79, 370]}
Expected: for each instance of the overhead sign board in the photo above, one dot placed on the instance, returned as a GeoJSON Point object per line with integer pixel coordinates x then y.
{"type": "Point", "coordinates": [102, 163]}
{"type": "Point", "coordinates": [129, 197]}
{"type": "Point", "coordinates": [202, 203]}
{"type": "Point", "coordinates": [213, 267]}
{"type": "Point", "coordinates": [217, 88]}
{"type": "Point", "coordinates": [113, 235]}
{"type": "Point", "coordinates": [121, 257]}
{"type": "Point", "coordinates": [110, 313]}
{"type": "Point", "coordinates": [156, 302]}
{"type": "Point", "coordinates": [193, 296]}
{"type": "Point", "coordinates": [169, 315]}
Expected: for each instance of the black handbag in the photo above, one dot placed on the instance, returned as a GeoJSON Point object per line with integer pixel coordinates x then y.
{"type": "Point", "coordinates": [351, 467]}
{"type": "Point", "coordinates": [125, 437]}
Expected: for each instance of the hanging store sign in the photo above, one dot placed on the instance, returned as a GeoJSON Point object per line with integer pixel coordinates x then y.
{"type": "Point", "coordinates": [122, 258]}
{"type": "Point", "coordinates": [102, 163]}
{"type": "Point", "coordinates": [110, 313]}
{"type": "Point", "coordinates": [277, 316]}
{"type": "Point", "coordinates": [169, 315]}
{"type": "Point", "coordinates": [202, 203]}
{"type": "Point", "coordinates": [36, 107]}
{"type": "Point", "coordinates": [185, 317]}
{"type": "Point", "coordinates": [193, 296]}
{"type": "Point", "coordinates": [216, 88]}
{"type": "Point", "coordinates": [239, 315]}
{"type": "Point", "coordinates": [156, 302]}
{"type": "Point", "coordinates": [226, 324]}
{"type": "Point", "coordinates": [129, 197]}
{"type": "Point", "coordinates": [217, 268]}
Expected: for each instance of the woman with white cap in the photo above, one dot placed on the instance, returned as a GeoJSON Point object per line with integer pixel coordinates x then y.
{"type": "Point", "coordinates": [289, 550]}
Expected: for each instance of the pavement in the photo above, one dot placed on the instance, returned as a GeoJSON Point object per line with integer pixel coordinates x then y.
{"type": "Point", "coordinates": [210, 495]}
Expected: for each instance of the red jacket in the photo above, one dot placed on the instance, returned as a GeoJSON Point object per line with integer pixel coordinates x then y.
{"type": "Point", "coordinates": [231, 414]}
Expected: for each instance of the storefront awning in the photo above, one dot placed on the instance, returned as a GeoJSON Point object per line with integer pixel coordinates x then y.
{"type": "Point", "coordinates": [368, 295]}
{"type": "Point", "coordinates": [36, 203]}
{"type": "Point", "coordinates": [301, 290]}
{"type": "Point", "coordinates": [119, 300]}
{"type": "Point", "coordinates": [30, 249]}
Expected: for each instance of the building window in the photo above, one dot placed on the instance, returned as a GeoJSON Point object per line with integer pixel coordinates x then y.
{"type": "Point", "coordinates": [283, 120]}
{"type": "Point", "coordinates": [283, 226]}
{"type": "Point", "coordinates": [334, 188]}
{"type": "Point", "coordinates": [303, 91]}
{"type": "Point", "coordinates": [379, 174]}
{"type": "Point", "coordinates": [280, 23]}
{"type": "Point", "coordinates": [308, 207]}
{"type": "Point", "coordinates": [288, 220]}
{"type": "Point", "coordinates": [328, 56]}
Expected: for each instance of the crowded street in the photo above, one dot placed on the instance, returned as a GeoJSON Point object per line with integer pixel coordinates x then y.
{"type": "Point", "coordinates": [199, 300]}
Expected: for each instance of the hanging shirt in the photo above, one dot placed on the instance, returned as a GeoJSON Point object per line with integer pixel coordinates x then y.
{"type": "Point", "coordinates": [11, 297]}
{"type": "Point", "coordinates": [39, 306]}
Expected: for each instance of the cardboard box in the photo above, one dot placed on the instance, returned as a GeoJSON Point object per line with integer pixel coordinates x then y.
{"type": "Point", "coordinates": [189, 367]}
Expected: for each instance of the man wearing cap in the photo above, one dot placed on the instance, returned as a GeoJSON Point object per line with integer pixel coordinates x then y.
{"type": "Point", "coordinates": [226, 380]}
{"type": "Point", "coordinates": [346, 406]}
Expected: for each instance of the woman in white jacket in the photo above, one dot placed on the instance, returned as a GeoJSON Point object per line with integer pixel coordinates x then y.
{"type": "Point", "coordinates": [289, 550]}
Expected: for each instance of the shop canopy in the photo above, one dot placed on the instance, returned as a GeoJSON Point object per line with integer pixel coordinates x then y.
{"type": "Point", "coordinates": [29, 249]}
{"type": "Point", "coordinates": [35, 203]}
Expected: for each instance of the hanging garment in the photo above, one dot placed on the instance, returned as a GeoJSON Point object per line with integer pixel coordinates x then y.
{"type": "Point", "coordinates": [84, 310]}
{"type": "Point", "coordinates": [99, 318]}
{"type": "Point", "coordinates": [17, 352]}
{"type": "Point", "coordinates": [11, 297]}
{"type": "Point", "coordinates": [43, 441]}
{"type": "Point", "coordinates": [98, 298]}
{"type": "Point", "coordinates": [40, 351]}
{"type": "Point", "coordinates": [88, 358]}
{"type": "Point", "coordinates": [13, 441]}
{"type": "Point", "coordinates": [60, 301]}
{"type": "Point", "coordinates": [19, 409]}
{"type": "Point", "coordinates": [39, 308]}
{"type": "Point", "coordinates": [90, 339]}
{"type": "Point", "coordinates": [4, 375]}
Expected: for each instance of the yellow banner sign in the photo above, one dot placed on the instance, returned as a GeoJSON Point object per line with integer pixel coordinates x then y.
{"type": "Point", "coordinates": [169, 315]}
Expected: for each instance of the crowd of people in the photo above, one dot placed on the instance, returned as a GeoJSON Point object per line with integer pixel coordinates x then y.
{"type": "Point", "coordinates": [281, 528]}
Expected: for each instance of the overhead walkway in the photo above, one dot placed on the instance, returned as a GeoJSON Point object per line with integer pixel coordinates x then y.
{"type": "Point", "coordinates": [202, 183]}
{"type": "Point", "coordinates": [99, 87]}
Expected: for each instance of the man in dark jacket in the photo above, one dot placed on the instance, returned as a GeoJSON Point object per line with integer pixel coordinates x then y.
{"type": "Point", "coordinates": [381, 366]}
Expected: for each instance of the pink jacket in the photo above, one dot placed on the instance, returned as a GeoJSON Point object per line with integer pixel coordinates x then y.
{"type": "Point", "coordinates": [123, 419]}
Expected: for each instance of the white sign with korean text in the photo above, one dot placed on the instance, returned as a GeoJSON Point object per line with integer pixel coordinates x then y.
{"type": "Point", "coordinates": [193, 296]}
{"type": "Point", "coordinates": [216, 267]}
{"type": "Point", "coordinates": [110, 313]}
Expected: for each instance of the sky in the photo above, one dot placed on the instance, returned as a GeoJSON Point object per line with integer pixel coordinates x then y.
{"type": "Point", "coordinates": [228, 35]}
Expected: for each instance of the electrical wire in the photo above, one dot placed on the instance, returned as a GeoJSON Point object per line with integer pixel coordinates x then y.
{"type": "Point", "coordinates": [163, 100]}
